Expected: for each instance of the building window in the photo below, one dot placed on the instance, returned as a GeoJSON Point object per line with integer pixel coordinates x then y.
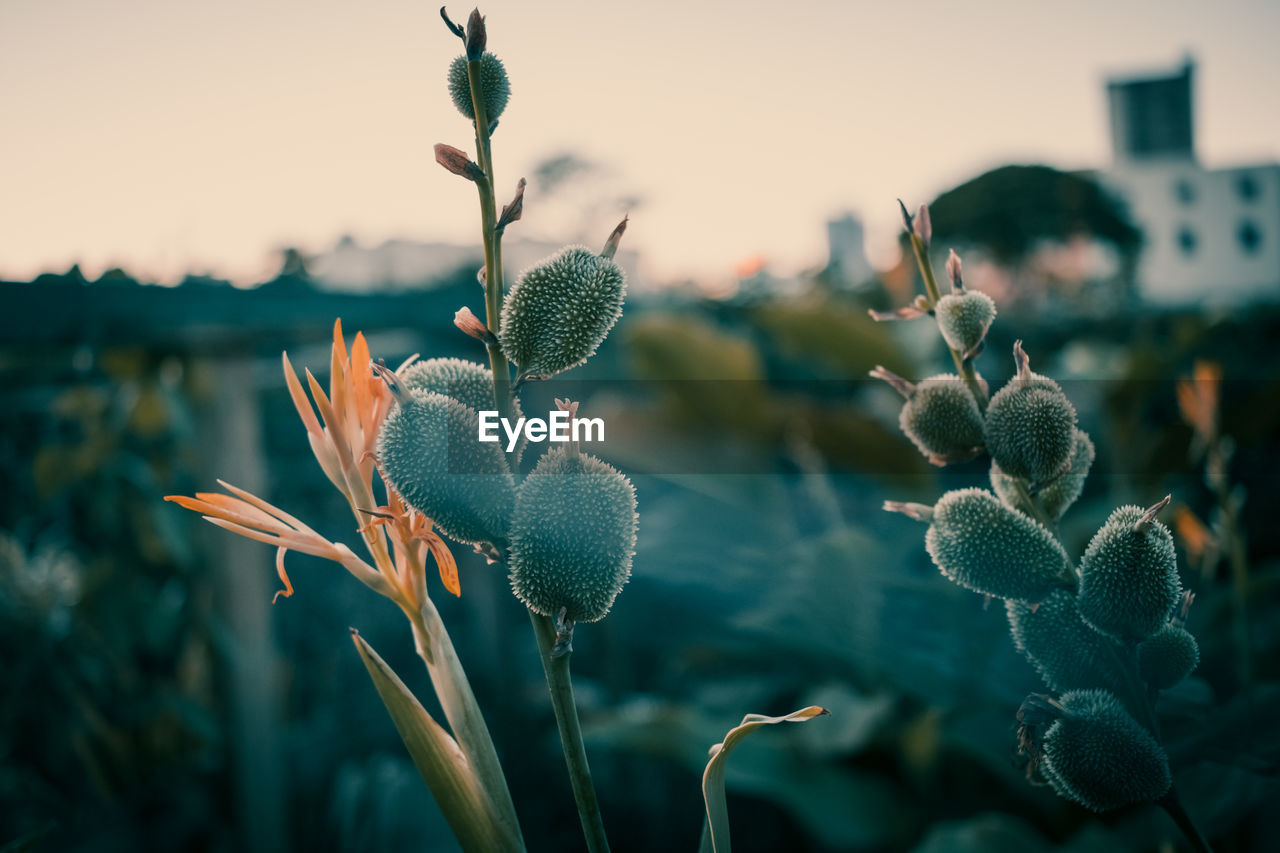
{"type": "Point", "coordinates": [1249, 236]}
{"type": "Point", "coordinates": [1187, 241]}
{"type": "Point", "coordinates": [1248, 188]}
{"type": "Point", "coordinates": [1184, 191]}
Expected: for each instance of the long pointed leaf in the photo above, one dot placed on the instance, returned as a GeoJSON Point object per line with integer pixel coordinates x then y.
{"type": "Point", "coordinates": [462, 799]}
{"type": "Point", "coordinates": [715, 835]}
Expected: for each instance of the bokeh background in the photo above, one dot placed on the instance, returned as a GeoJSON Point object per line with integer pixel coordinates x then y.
{"type": "Point", "coordinates": [190, 189]}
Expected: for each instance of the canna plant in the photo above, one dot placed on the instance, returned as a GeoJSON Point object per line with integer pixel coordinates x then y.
{"type": "Point", "coordinates": [1106, 634]}
{"type": "Point", "coordinates": [565, 532]}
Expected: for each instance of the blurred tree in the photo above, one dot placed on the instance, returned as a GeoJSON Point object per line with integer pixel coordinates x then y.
{"type": "Point", "coordinates": [1009, 209]}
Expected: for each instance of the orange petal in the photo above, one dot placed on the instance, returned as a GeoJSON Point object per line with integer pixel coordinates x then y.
{"type": "Point", "coordinates": [238, 512]}
{"type": "Point", "coordinates": [1192, 531]}
{"type": "Point", "coordinates": [360, 379]}
{"type": "Point", "coordinates": [339, 345]}
{"type": "Point", "coordinates": [444, 562]}
{"type": "Point", "coordinates": [284, 576]}
{"type": "Point", "coordinates": [272, 509]}
{"type": "Point", "coordinates": [239, 507]}
{"type": "Point", "coordinates": [300, 401]}
{"type": "Point", "coordinates": [338, 385]}
{"type": "Point", "coordinates": [193, 504]}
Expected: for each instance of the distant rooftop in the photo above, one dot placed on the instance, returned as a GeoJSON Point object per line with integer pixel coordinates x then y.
{"type": "Point", "coordinates": [1152, 116]}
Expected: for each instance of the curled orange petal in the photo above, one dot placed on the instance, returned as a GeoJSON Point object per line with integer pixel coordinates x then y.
{"type": "Point", "coordinates": [287, 592]}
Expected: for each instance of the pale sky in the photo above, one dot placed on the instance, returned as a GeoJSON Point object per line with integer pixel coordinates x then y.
{"type": "Point", "coordinates": [166, 135]}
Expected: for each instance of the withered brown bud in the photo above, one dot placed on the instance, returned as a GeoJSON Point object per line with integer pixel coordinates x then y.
{"type": "Point", "coordinates": [470, 324]}
{"type": "Point", "coordinates": [611, 245]}
{"type": "Point", "coordinates": [513, 211]}
{"type": "Point", "coordinates": [477, 38]}
{"type": "Point", "coordinates": [906, 217]}
{"type": "Point", "coordinates": [456, 161]}
{"type": "Point", "coordinates": [453, 28]}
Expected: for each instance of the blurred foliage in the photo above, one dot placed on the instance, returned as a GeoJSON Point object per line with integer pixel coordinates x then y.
{"type": "Point", "coordinates": [767, 578]}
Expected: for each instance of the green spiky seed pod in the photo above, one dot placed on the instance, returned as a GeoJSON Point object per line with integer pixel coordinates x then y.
{"type": "Point", "coordinates": [1030, 425]}
{"type": "Point", "coordinates": [963, 319]}
{"type": "Point", "coordinates": [468, 382]}
{"type": "Point", "coordinates": [987, 547]}
{"type": "Point", "coordinates": [1099, 756]}
{"type": "Point", "coordinates": [493, 84]}
{"type": "Point", "coordinates": [1168, 656]}
{"type": "Point", "coordinates": [572, 536]}
{"type": "Point", "coordinates": [1068, 654]}
{"type": "Point", "coordinates": [942, 419]}
{"type": "Point", "coordinates": [430, 453]}
{"type": "Point", "coordinates": [1056, 496]}
{"type": "Point", "coordinates": [560, 309]}
{"type": "Point", "coordinates": [1129, 575]}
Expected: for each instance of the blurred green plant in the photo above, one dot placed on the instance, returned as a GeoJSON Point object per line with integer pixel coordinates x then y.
{"type": "Point", "coordinates": [1113, 623]}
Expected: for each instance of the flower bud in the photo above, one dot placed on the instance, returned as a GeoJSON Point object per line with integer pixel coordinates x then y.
{"type": "Point", "coordinates": [560, 310]}
{"type": "Point", "coordinates": [495, 88]}
{"type": "Point", "coordinates": [471, 325]}
{"type": "Point", "coordinates": [987, 547]}
{"type": "Point", "coordinates": [1168, 656]}
{"type": "Point", "coordinates": [430, 453]}
{"type": "Point", "coordinates": [1068, 654]}
{"type": "Point", "coordinates": [955, 270]}
{"type": "Point", "coordinates": [1129, 575]}
{"type": "Point", "coordinates": [940, 416]}
{"type": "Point", "coordinates": [477, 36]}
{"type": "Point", "coordinates": [1030, 425]}
{"type": "Point", "coordinates": [1056, 496]}
{"type": "Point", "coordinates": [1098, 755]}
{"type": "Point", "coordinates": [964, 318]}
{"type": "Point", "coordinates": [572, 536]}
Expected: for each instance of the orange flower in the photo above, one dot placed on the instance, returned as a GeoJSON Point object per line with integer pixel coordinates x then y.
{"type": "Point", "coordinates": [410, 529]}
{"type": "Point", "coordinates": [1199, 540]}
{"type": "Point", "coordinates": [352, 413]}
{"type": "Point", "coordinates": [1198, 399]}
{"type": "Point", "coordinates": [343, 440]}
{"type": "Point", "coordinates": [254, 518]}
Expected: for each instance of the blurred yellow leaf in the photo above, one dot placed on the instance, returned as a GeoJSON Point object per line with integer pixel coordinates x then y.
{"type": "Point", "coordinates": [716, 837]}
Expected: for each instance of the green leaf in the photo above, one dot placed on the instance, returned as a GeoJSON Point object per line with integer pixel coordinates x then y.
{"type": "Point", "coordinates": [716, 835]}
{"type": "Point", "coordinates": [462, 799]}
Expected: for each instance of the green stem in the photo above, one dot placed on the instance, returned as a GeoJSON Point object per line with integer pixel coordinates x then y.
{"type": "Point", "coordinates": [556, 668]}
{"type": "Point", "coordinates": [493, 283]}
{"type": "Point", "coordinates": [1171, 804]}
{"type": "Point", "coordinates": [1237, 556]}
{"type": "Point", "coordinates": [1033, 506]}
{"type": "Point", "coordinates": [963, 366]}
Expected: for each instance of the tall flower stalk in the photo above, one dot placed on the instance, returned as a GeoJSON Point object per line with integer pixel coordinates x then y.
{"type": "Point", "coordinates": [552, 639]}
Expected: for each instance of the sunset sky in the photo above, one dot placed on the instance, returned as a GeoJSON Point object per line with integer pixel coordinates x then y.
{"type": "Point", "coordinates": [164, 135]}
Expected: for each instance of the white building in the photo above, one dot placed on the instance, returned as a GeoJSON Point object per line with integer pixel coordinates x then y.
{"type": "Point", "coordinates": [399, 265]}
{"type": "Point", "coordinates": [1209, 235]}
{"type": "Point", "coordinates": [847, 250]}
